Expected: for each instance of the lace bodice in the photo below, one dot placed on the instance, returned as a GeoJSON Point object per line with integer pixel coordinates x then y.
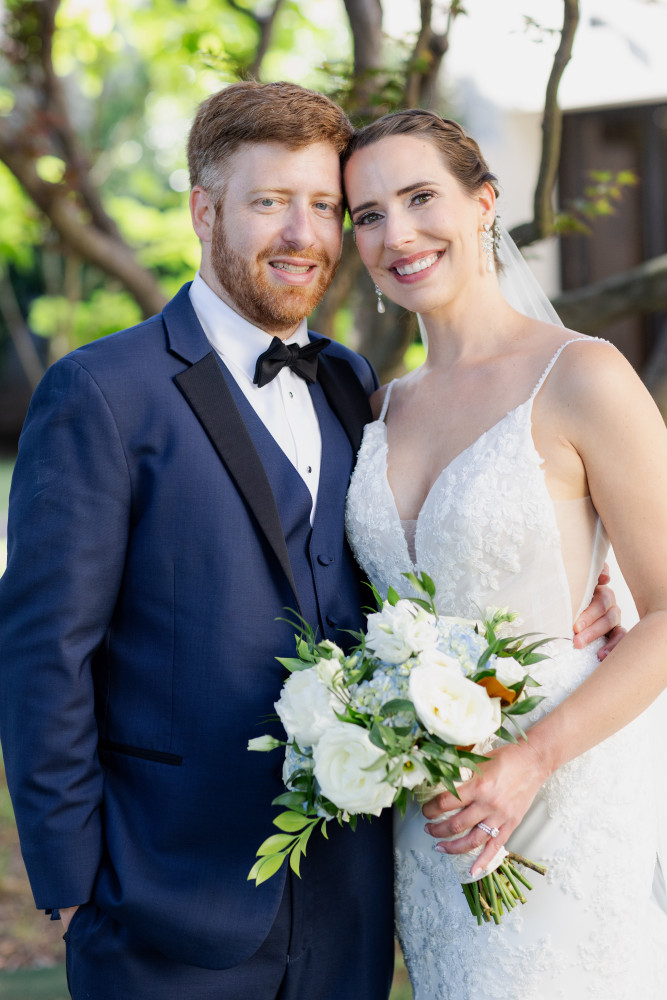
{"type": "Point", "coordinates": [488, 532]}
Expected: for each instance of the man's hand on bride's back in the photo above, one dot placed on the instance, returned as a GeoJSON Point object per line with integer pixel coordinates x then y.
{"type": "Point", "coordinates": [602, 617]}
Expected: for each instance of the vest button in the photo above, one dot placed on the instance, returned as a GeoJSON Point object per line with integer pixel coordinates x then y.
{"type": "Point", "coordinates": [325, 560]}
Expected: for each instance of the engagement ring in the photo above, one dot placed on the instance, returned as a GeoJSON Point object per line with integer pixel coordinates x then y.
{"type": "Point", "coordinates": [492, 831]}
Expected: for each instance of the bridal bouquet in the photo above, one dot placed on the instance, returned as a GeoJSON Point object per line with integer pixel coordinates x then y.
{"type": "Point", "coordinates": [401, 712]}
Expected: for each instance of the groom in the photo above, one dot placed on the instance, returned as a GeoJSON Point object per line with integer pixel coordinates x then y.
{"type": "Point", "coordinates": [178, 486]}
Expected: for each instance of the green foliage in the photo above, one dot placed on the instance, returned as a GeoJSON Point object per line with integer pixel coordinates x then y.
{"type": "Point", "coordinates": [81, 321]}
{"type": "Point", "coordinates": [600, 198]}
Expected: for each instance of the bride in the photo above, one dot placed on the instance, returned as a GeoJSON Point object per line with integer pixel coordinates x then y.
{"type": "Point", "coordinates": [501, 467]}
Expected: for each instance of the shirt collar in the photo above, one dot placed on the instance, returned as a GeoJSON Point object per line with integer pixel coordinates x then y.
{"type": "Point", "coordinates": [234, 338]}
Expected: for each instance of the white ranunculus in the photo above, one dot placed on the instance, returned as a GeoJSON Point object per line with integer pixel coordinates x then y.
{"type": "Point", "coordinates": [451, 706]}
{"type": "Point", "coordinates": [396, 633]}
{"type": "Point", "coordinates": [341, 758]}
{"type": "Point", "coordinates": [326, 670]}
{"type": "Point", "coordinates": [414, 772]}
{"type": "Point", "coordinates": [306, 707]}
{"type": "Point", "coordinates": [508, 671]}
{"type": "Point", "coordinates": [336, 652]}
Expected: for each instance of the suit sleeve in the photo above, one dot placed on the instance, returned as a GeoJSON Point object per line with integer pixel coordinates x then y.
{"type": "Point", "coordinates": [67, 538]}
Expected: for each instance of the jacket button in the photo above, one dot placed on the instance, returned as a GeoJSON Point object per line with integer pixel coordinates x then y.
{"type": "Point", "coordinates": [331, 623]}
{"type": "Point", "coordinates": [325, 560]}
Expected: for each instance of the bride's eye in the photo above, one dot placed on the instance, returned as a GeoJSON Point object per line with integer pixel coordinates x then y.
{"type": "Point", "coordinates": [366, 219]}
{"type": "Point", "coordinates": [421, 198]}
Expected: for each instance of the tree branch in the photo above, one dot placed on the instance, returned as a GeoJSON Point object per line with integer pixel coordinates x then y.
{"type": "Point", "coordinates": [265, 25]}
{"type": "Point", "coordinates": [643, 289]}
{"type": "Point", "coordinates": [111, 255]}
{"type": "Point", "coordinates": [427, 56]}
{"type": "Point", "coordinates": [541, 224]}
{"type": "Point", "coordinates": [365, 17]}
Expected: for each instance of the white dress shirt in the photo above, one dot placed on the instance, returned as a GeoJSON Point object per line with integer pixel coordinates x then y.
{"type": "Point", "coordinates": [284, 405]}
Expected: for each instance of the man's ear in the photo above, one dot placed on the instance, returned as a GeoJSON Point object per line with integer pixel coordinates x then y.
{"type": "Point", "coordinates": [202, 211]}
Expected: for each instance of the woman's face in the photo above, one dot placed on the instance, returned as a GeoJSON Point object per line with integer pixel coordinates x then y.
{"type": "Point", "coordinates": [417, 228]}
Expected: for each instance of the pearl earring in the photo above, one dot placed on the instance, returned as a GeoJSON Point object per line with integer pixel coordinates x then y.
{"type": "Point", "coordinates": [380, 302]}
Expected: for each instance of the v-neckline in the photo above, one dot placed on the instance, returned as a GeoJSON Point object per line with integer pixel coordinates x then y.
{"type": "Point", "coordinates": [445, 468]}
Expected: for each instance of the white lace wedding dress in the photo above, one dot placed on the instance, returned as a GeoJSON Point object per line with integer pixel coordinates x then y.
{"type": "Point", "coordinates": [489, 534]}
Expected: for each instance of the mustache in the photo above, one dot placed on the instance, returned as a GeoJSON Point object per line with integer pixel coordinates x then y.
{"type": "Point", "coordinates": [317, 256]}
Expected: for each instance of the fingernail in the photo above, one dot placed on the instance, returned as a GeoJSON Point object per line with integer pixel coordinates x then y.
{"type": "Point", "coordinates": [427, 828]}
{"type": "Point", "coordinates": [440, 848]}
{"type": "Point", "coordinates": [602, 655]}
{"type": "Point", "coordinates": [474, 872]}
{"type": "Point", "coordinates": [578, 625]}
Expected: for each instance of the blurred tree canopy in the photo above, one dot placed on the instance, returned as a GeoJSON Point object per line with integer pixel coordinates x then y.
{"type": "Point", "coordinates": [95, 101]}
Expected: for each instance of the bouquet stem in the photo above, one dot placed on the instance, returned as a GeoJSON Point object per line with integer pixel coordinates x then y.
{"type": "Point", "coordinates": [500, 891]}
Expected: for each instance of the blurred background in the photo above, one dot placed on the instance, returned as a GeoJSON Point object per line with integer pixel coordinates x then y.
{"type": "Point", "coordinates": [567, 98]}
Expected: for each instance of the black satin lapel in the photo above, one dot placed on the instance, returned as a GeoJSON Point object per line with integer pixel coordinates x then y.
{"type": "Point", "coordinates": [205, 389]}
{"type": "Point", "coordinates": [346, 397]}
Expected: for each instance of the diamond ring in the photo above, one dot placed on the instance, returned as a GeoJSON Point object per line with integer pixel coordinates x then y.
{"type": "Point", "coordinates": [492, 831]}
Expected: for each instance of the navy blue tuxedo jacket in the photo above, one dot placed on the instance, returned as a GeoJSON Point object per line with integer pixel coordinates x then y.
{"type": "Point", "coordinates": [156, 534]}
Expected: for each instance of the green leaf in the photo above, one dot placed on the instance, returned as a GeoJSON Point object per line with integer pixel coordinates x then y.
{"type": "Point", "coordinates": [291, 663]}
{"type": "Point", "coordinates": [294, 800]}
{"type": "Point", "coordinates": [397, 705]}
{"type": "Point", "coordinates": [268, 868]}
{"type": "Point", "coordinates": [393, 597]}
{"type": "Point", "coordinates": [291, 821]}
{"type": "Point", "coordinates": [278, 842]}
{"type": "Point", "coordinates": [522, 707]}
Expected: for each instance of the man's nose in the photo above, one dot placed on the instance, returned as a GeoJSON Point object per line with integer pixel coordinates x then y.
{"type": "Point", "coordinates": [298, 230]}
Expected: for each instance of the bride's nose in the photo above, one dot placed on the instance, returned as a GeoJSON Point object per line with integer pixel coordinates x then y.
{"type": "Point", "coordinates": [398, 231]}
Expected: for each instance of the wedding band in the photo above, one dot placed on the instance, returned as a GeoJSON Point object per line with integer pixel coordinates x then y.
{"type": "Point", "coordinates": [492, 831]}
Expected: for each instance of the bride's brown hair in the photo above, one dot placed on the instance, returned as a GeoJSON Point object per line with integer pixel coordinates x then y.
{"type": "Point", "coordinates": [460, 152]}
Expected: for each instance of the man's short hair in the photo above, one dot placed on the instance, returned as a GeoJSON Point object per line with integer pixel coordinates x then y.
{"type": "Point", "coordinates": [259, 112]}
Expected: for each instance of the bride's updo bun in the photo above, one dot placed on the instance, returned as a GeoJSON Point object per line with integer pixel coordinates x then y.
{"type": "Point", "coordinates": [461, 154]}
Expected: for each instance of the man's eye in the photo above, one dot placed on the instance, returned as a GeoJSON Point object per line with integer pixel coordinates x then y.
{"type": "Point", "coordinates": [267, 202]}
{"type": "Point", "coordinates": [324, 206]}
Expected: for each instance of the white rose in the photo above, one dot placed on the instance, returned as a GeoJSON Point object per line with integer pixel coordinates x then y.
{"type": "Point", "coordinates": [436, 658]}
{"type": "Point", "coordinates": [452, 707]}
{"type": "Point", "coordinates": [306, 707]}
{"type": "Point", "coordinates": [342, 758]}
{"type": "Point", "coordinates": [397, 632]}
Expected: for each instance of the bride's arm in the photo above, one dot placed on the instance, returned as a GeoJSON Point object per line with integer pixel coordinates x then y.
{"type": "Point", "coordinates": [612, 422]}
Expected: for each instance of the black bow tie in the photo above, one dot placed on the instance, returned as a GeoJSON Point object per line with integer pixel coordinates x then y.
{"type": "Point", "coordinates": [302, 360]}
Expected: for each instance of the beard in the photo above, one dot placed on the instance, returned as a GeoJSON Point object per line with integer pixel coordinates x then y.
{"type": "Point", "coordinates": [271, 306]}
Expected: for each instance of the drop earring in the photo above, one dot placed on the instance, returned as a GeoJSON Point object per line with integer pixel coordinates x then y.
{"type": "Point", "coordinates": [380, 302]}
{"type": "Point", "coordinates": [488, 246]}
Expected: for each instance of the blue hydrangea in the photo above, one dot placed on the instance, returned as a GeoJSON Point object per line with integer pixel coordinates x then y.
{"type": "Point", "coordinates": [463, 643]}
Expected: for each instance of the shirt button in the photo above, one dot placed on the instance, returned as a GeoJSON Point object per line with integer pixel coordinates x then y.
{"type": "Point", "coordinates": [291, 395]}
{"type": "Point", "coordinates": [309, 468]}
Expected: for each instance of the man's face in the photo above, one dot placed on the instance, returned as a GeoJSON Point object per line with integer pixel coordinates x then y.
{"type": "Point", "coordinates": [276, 238]}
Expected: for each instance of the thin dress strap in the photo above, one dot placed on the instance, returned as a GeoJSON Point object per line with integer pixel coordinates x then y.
{"type": "Point", "coordinates": [573, 340]}
{"type": "Point", "coordinates": [385, 402]}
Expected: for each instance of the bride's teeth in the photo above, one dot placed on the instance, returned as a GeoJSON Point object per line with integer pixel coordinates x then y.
{"type": "Point", "coordinates": [418, 265]}
{"type": "Point", "coordinates": [294, 268]}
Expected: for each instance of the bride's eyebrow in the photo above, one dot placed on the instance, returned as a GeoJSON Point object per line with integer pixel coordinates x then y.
{"type": "Point", "coordinates": [401, 191]}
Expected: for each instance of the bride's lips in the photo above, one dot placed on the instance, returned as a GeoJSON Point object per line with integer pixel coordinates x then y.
{"type": "Point", "coordinates": [293, 270]}
{"type": "Point", "coordinates": [408, 270]}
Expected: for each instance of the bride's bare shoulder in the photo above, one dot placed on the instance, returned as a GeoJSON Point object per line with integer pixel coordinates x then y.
{"type": "Point", "coordinates": [377, 400]}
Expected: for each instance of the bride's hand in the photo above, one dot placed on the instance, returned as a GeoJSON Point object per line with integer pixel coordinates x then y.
{"type": "Point", "coordinates": [498, 796]}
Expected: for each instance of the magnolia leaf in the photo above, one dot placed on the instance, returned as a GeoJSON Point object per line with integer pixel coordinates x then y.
{"type": "Point", "coordinates": [496, 689]}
